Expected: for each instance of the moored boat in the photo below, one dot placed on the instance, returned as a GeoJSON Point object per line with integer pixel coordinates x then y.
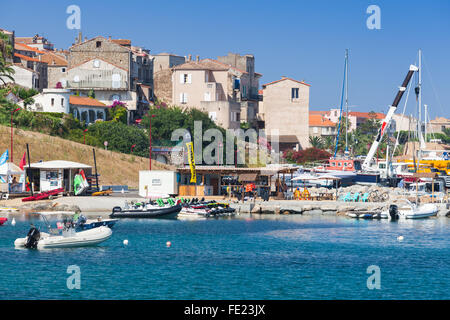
{"type": "Point", "coordinates": [3, 220]}
{"type": "Point", "coordinates": [159, 210]}
{"type": "Point", "coordinates": [410, 211]}
{"type": "Point", "coordinates": [68, 239]}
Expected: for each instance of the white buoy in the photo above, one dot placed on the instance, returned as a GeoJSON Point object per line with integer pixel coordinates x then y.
{"type": "Point", "coordinates": [125, 242]}
{"type": "Point", "coordinates": [400, 238]}
{"type": "Point", "coordinates": [168, 244]}
{"type": "Point", "coordinates": [13, 222]}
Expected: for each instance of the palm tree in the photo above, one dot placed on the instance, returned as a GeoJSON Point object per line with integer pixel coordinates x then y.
{"type": "Point", "coordinates": [5, 71]}
{"type": "Point", "coordinates": [316, 142]}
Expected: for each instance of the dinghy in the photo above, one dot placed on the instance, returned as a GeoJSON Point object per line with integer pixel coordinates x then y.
{"type": "Point", "coordinates": [69, 238]}
{"type": "Point", "coordinates": [3, 220]}
{"type": "Point", "coordinates": [410, 211]}
{"type": "Point", "coordinates": [158, 209]}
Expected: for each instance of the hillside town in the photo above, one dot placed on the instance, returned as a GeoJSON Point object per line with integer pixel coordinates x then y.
{"type": "Point", "coordinates": [227, 88]}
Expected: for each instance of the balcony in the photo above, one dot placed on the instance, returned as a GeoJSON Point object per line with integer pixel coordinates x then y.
{"type": "Point", "coordinates": [98, 84]}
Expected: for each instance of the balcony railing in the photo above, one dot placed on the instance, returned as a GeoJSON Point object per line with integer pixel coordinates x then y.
{"type": "Point", "coordinates": [98, 84]}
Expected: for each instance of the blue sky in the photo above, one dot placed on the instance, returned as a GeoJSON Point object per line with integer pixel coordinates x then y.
{"type": "Point", "coordinates": [305, 40]}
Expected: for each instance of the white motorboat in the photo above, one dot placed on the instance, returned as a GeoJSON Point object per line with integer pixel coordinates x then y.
{"type": "Point", "coordinates": [410, 211]}
{"type": "Point", "coordinates": [68, 239]}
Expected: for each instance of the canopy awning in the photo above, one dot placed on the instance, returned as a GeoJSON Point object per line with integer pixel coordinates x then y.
{"type": "Point", "coordinates": [10, 168]}
{"type": "Point", "coordinates": [59, 164]}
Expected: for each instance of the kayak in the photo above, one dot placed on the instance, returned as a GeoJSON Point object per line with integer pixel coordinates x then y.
{"type": "Point", "coordinates": [44, 195]}
{"type": "Point", "coordinates": [3, 220]}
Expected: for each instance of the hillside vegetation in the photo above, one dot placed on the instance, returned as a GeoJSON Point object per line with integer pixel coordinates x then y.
{"type": "Point", "coordinates": [114, 168]}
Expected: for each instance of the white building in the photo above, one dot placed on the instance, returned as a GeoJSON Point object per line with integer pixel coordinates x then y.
{"type": "Point", "coordinates": [51, 100]}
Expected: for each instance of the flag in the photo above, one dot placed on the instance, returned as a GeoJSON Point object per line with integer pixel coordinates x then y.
{"type": "Point", "coordinates": [23, 162]}
{"type": "Point", "coordinates": [190, 149]}
{"type": "Point", "coordinates": [4, 157]}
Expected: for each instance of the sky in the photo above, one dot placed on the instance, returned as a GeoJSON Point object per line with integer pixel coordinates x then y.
{"type": "Point", "coordinates": [304, 40]}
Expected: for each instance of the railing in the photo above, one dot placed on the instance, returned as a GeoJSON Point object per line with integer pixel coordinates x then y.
{"type": "Point", "coordinates": [98, 84]}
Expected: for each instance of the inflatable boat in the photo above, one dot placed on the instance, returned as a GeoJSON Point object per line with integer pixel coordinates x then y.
{"type": "Point", "coordinates": [158, 209]}
{"type": "Point", "coordinates": [69, 238]}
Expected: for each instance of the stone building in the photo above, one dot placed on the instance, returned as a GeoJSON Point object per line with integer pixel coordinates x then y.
{"type": "Point", "coordinates": [162, 75]}
{"type": "Point", "coordinates": [246, 86]}
{"type": "Point", "coordinates": [114, 70]}
{"type": "Point", "coordinates": [285, 108]}
{"type": "Point", "coordinates": [211, 86]}
{"type": "Point", "coordinates": [30, 72]}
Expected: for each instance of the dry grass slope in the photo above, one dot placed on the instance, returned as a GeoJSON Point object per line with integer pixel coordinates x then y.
{"type": "Point", "coordinates": [114, 168]}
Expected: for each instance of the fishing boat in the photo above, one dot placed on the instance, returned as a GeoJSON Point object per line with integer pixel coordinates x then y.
{"type": "Point", "coordinates": [69, 238]}
{"type": "Point", "coordinates": [410, 211]}
{"type": "Point", "coordinates": [3, 220]}
{"type": "Point", "coordinates": [153, 209]}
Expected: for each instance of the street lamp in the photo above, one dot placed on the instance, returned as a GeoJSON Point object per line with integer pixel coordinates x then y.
{"type": "Point", "coordinates": [12, 144]}
{"type": "Point", "coordinates": [150, 140]}
{"type": "Point", "coordinates": [84, 135]}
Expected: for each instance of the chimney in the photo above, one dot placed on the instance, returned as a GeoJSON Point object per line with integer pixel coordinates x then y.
{"type": "Point", "coordinates": [189, 57]}
{"type": "Point", "coordinates": [80, 37]}
{"type": "Point", "coordinates": [197, 58]}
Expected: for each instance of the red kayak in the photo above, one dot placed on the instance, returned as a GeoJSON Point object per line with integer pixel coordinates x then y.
{"type": "Point", "coordinates": [44, 195]}
{"type": "Point", "coordinates": [3, 220]}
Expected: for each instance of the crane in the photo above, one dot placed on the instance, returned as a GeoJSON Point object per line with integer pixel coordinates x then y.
{"type": "Point", "coordinates": [387, 119]}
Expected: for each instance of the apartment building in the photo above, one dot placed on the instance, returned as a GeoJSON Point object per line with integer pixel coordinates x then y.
{"type": "Point", "coordinates": [319, 126]}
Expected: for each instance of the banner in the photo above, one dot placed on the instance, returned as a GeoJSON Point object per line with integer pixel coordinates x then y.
{"type": "Point", "coordinates": [4, 157]}
{"type": "Point", "coordinates": [23, 162]}
{"type": "Point", "coordinates": [190, 147]}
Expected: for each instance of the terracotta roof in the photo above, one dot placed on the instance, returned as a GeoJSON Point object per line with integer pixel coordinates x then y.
{"type": "Point", "coordinates": [85, 101]}
{"type": "Point", "coordinates": [368, 115]}
{"type": "Point", "coordinates": [27, 58]}
{"type": "Point", "coordinates": [24, 47]}
{"type": "Point", "coordinates": [122, 42]}
{"type": "Point", "coordinates": [286, 78]}
{"type": "Point", "coordinates": [317, 120]}
{"type": "Point", "coordinates": [53, 59]}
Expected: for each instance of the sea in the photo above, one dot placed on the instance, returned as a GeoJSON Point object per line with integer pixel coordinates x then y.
{"type": "Point", "coordinates": [247, 257]}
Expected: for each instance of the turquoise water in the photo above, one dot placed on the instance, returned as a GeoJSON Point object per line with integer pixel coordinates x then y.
{"type": "Point", "coordinates": [286, 257]}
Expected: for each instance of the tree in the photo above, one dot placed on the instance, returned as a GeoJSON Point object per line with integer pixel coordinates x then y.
{"type": "Point", "coordinates": [316, 142]}
{"type": "Point", "coordinates": [6, 71]}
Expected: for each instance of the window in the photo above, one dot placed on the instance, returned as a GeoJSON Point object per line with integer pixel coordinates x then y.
{"type": "Point", "coordinates": [212, 115]}
{"type": "Point", "coordinates": [315, 129]}
{"type": "Point", "coordinates": [294, 93]}
{"type": "Point", "coordinates": [62, 102]}
{"type": "Point", "coordinates": [183, 97]}
{"type": "Point", "coordinates": [63, 69]}
{"type": "Point", "coordinates": [185, 78]}
{"type": "Point", "coordinates": [53, 102]}
{"type": "Point", "coordinates": [207, 96]}
{"type": "Point", "coordinates": [116, 79]}
{"type": "Point", "coordinates": [98, 44]}
{"type": "Point", "coordinates": [235, 116]}
{"type": "Point", "coordinates": [96, 63]}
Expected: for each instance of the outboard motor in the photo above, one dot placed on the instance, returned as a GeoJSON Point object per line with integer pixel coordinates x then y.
{"type": "Point", "coordinates": [393, 212]}
{"type": "Point", "coordinates": [33, 237]}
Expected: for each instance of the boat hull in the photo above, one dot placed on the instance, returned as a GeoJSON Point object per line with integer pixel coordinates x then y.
{"type": "Point", "coordinates": [80, 239]}
{"type": "Point", "coordinates": [159, 213]}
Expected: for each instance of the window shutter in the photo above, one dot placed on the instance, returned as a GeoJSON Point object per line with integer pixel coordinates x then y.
{"type": "Point", "coordinates": [189, 78]}
{"type": "Point", "coordinates": [181, 78]}
{"type": "Point", "coordinates": [181, 97]}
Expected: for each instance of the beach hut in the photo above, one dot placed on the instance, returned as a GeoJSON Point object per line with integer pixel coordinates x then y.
{"type": "Point", "coordinates": [51, 175]}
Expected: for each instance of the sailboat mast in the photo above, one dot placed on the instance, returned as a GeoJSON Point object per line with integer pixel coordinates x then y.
{"type": "Point", "coordinates": [346, 101]}
{"type": "Point", "coordinates": [420, 94]}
